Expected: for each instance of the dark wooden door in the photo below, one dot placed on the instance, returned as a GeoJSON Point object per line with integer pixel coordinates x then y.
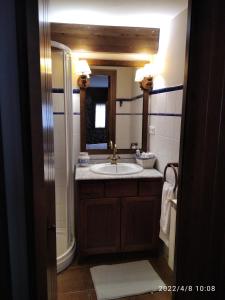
{"type": "Point", "coordinates": [48, 147]}
{"type": "Point", "coordinates": [27, 171]}
{"type": "Point", "coordinates": [100, 225]}
{"type": "Point", "coordinates": [139, 225]}
{"type": "Point", "coordinates": [200, 241]}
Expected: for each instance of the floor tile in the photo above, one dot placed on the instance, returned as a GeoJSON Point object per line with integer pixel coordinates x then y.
{"type": "Point", "coordinates": [75, 283]}
{"type": "Point", "coordinates": [75, 279]}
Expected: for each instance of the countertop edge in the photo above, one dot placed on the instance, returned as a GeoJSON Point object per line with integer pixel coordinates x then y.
{"type": "Point", "coordinates": [84, 174]}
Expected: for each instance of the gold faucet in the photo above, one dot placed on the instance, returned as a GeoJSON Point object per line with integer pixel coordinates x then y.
{"type": "Point", "coordinates": [114, 157]}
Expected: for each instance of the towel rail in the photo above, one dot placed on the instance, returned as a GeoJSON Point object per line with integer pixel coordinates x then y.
{"type": "Point", "coordinates": [173, 166]}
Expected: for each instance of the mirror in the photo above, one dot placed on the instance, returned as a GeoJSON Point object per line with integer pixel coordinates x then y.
{"type": "Point", "coordinates": [99, 109]}
{"type": "Point", "coordinates": [112, 107]}
{"type": "Point", "coordinates": [129, 110]}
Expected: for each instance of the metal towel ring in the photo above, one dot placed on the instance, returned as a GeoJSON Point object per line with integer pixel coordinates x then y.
{"type": "Point", "coordinates": [173, 166]}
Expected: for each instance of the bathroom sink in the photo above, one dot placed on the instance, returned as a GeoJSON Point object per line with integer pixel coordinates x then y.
{"type": "Point", "coordinates": [119, 169]}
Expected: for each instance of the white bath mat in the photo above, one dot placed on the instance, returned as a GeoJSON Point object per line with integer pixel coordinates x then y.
{"type": "Point", "coordinates": [122, 280]}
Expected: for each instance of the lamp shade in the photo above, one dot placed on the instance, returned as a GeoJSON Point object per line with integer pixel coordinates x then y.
{"type": "Point", "coordinates": [82, 67]}
{"type": "Point", "coordinates": [139, 76]}
{"type": "Point", "coordinates": [149, 70]}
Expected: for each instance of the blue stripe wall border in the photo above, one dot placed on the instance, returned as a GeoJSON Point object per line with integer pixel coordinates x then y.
{"type": "Point", "coordinates": [58, 113]}
{"type": "Point", "coordinates": [131, 114]}
{"type": "Point", "coordinates": [57, 90]}
{"type": "Point", "coordinates": [153, 92]}
{"type": "Point", "coordinates": [167, 90]}
{"type": "Point", "coordinates": [61, 91]}
{"type": "Point", "coordinates": [62, 113]}
{"type": "Point", "coordinates": [165, 115]}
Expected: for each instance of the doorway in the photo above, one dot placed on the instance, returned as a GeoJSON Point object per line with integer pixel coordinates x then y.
{"type": "Point", "coordinates": [161, 129]}
{"type": "Point", "coordinates": [197, 136]}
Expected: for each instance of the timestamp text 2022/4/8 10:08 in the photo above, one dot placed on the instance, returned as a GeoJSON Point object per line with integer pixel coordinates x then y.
{"type": "Point", "coordinates": [187, 288]}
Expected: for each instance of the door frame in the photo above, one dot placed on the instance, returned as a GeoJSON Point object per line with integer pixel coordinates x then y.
{"type": "Point", "coordinates": [26, 152]}
{"type": "Point", "coordinates": [22, 137]}
{"type": "Point", "coordinates": [200, 237]}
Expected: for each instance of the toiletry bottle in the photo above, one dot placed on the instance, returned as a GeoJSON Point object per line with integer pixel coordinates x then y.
{"type": "Point", "coordinates": [138, 153]}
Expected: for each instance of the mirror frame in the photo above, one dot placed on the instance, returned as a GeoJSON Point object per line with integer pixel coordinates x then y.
{"type": "Point", "coordinates": [112, 116]}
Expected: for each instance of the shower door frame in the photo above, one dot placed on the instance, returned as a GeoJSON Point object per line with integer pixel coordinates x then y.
{"type": "Point", "coordinates": [68, 121]}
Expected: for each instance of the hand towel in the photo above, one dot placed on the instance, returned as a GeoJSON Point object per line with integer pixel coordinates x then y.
{"type": "Point", "coordinates": [167, 196]}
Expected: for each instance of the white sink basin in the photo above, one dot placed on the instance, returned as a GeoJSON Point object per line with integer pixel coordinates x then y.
{"type": "Point", "coordinates": [119, 169]}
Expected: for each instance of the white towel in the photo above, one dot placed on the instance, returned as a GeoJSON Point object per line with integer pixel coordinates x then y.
{"type": "Point", "coordinates": [167, 196]}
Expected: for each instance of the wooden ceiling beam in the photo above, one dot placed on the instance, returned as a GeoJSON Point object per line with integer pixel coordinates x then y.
{"type": "Point", "coordinates": [117, 63]}
{"type": "Point", "coordinates": [106, 38]}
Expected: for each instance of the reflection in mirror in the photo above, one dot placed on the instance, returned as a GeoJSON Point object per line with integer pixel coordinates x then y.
{"type": "Point", "coordinates": [97, 97]}
{"type": "Point", "coordinates": [114, 109]}
{"type": "Point", "coordinates": [129, 108]}
{"type": "Point", "coordinates": [99, 109]}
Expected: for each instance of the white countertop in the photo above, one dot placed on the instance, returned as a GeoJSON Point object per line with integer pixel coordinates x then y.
{"type": "Point", "coordinates": [84, 173]}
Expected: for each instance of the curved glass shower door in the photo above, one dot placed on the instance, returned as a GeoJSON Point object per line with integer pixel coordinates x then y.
{"type": "Point", "coordinates": [63, 145]}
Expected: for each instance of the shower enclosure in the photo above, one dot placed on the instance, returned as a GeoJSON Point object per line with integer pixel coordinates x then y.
{"type": "Point", "coordinates": [63, 145]}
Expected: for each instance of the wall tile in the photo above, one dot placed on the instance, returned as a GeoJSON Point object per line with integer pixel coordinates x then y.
{"type": "Point", "coordinates": [58, 102]}
{"type": "Point", "coordinates": [166, 141]}
{"type": "Point", "coordinates": [157, 103]}
{"type": "Point", "coordinates": [176, 128]}
{"type": "Point", "coordinates": [76, 103]}
{"type": "Point", "coordinates": [178, 102]}
{"type": "Point", "coordinates": [171, 102]}
{"type": "Point", "coordinates": [125, 108]}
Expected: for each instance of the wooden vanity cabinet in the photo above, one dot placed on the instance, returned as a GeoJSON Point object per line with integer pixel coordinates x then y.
{"type": "Point", "coordinates": [139, 223]}
{"type": "Point", "coordinates": [117, 215]}
{"type": "Point", "coordinates": [99, 225]}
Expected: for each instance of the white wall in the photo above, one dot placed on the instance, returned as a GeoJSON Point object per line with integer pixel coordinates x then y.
{"type": "Point", "coordinates": [165, 143]}
{"type": "Point", "coordinates": [173, 72]}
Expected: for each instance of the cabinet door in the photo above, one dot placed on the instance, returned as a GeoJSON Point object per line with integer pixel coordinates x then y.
{"type": "Point", "coordinates": [100, 225]}
{"type": "Point", "coordinates": [140, 223]}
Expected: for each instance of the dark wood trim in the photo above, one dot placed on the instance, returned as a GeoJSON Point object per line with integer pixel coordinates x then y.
{"type": "Point", "coordinates": [83, 120]}
{"type": "Point", "coordinates": [106, 38]}
{"type": "Point", "coordinates": [200, 238]}
{"type": "Point", "coordinates": [117, 63]}
{"type": "Point", "coordinates": [43, 132]}
{"type": "Point", "coordinates": [111, 110]}
{"type": "Point", "coordinates": [145, 120]}
{"type": "Point", "coordinates": [27, 149]}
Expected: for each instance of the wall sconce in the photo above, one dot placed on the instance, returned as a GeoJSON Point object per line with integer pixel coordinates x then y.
{"type": "Point", "coordinates": [83, 70]}
{"type": "Point", "coordinates": [145, 77]}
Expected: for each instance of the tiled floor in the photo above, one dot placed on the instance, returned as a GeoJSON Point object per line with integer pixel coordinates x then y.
{"type": "Point", "coordinates": [75, 283]}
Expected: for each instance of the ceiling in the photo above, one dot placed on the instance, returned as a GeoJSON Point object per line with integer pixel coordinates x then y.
{"type": "Point", "coordinates": [136, 13]}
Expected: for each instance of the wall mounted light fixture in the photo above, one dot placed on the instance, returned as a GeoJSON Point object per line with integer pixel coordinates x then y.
{"type": "Point", "coordinates": [145, 77]}
{"type": "Point", "coordinates": [83, 70]}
